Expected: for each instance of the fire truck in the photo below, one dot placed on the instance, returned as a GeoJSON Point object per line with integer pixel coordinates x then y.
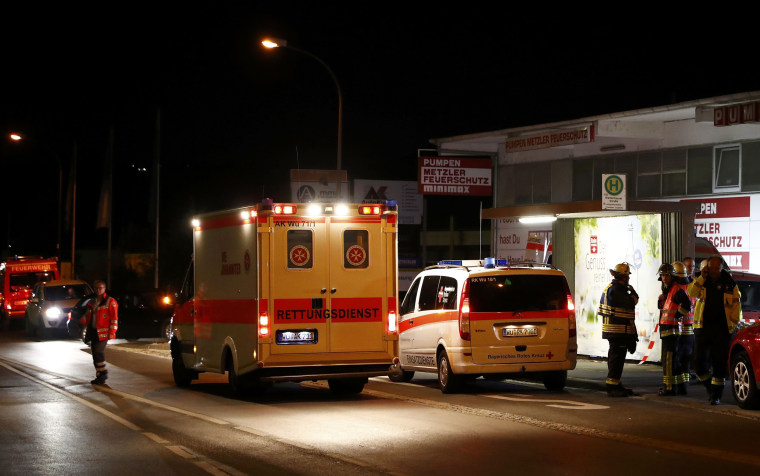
{"type": "Point", "coordinates": [18, 276]}
{"type": "Point", "coordinates": [290, 292]}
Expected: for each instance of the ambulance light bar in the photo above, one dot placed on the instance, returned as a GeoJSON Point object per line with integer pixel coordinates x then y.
{"type": "Point", "coordinates": [285, 209]}
{"type": "Point", "coordinates": [487, 263]}
{"type": "Point", "coordinates": [370, 210]}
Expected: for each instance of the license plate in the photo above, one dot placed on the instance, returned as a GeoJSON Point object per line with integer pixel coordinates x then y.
{"type": "Point", "coordinates": [519, 331]}
{"type": "Point", "coordinates": [297, 336]}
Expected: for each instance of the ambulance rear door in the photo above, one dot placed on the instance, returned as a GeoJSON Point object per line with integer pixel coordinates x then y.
{"type": "Point", "coordinates": [358, 278]}
{"type": "Point", "coordinates": [299, 284]}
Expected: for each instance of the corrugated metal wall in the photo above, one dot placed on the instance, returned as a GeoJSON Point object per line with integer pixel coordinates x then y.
{"type": "Point", "coordinates": [672, 237]}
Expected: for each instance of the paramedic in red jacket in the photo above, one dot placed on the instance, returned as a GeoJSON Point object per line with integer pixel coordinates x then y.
{"type": "Point", "coordinates": [101, 328]}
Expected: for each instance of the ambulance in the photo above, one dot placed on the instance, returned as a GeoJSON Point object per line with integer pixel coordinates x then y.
{"type": "Point", "coordinates": [18, 276]}
{"type": "Point", "coordinates": [290, 292]}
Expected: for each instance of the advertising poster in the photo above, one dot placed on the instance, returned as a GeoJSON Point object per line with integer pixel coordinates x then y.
{"type": "Point", "coordinates": [517, 242]}
{"type": "Point", "coordinates": [600, 244]}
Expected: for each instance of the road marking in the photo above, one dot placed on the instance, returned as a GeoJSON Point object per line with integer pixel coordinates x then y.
{"type": "Point", "coordinates": [567, 404]}
{"type": "Point", "coordinates": [658, 445]}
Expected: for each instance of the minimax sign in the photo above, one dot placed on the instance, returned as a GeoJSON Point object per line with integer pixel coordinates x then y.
{"type": "Point", "coordinates": [455, 176]}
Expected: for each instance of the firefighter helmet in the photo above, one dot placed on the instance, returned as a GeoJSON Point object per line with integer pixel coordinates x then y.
{"type": "Point", "coordinates": [665, 268]}
{"type": "Point", "coordinates": [620, 269]}
{"type": "Point", "coordinates": [679, 269]}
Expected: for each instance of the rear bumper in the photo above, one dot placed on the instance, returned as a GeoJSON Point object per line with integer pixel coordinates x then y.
{"type": "Point", "coordinates": [463, 364]}
{"type": "Point", "coordinates": [323, 372]}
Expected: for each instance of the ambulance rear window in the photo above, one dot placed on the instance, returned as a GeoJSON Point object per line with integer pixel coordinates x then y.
{"type": "Point", "coordinates": [511, 293]}
{"type": "Point", "coordinates": [355, 249]}
{"type": "Point", "coordinates": [300, 249]}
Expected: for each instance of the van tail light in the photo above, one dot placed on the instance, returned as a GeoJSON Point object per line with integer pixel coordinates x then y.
{"type": "Point", "coordinates": [264, 330]}
{"type": "Point", "coordinates": [464, 313]}
{"type": "Point", "coordinates": [392, 317]}
{"type": "Point", "coordinates": [571, 316]}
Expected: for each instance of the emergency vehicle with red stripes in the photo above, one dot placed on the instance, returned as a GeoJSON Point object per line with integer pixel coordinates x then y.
{"type": "Point", "coordinates": [291, 292]}
{"type": "Point", "coordinates": [18, 275]}
{"type": "Point", "coordinates": [465, 319]}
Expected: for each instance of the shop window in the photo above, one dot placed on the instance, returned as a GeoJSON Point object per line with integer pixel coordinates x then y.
{"type": "Point", "coordinates": [728, 169]}
{"type": "Point", "coordinates": [751, 166]}
{"type": "Point", "coordinates": [300, 249]}
{"type": "Point", "coordinates": [699, 171]}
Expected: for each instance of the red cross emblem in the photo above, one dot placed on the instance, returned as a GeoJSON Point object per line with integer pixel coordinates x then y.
{"type": "Point", "coordinates": [356, 255]}
{"type": "Point", "coordinates": [299, 255]}
{"type": "Point", "coordinates": [440, 294]}
{"type": "Point", "coordinates": [549, 355]}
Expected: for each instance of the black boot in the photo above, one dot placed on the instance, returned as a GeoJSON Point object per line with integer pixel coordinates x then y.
{"type": "Point", "coordinates": [716, 393]}
{"type": "Point", "coordinates": [665, 392]}
{"type": "Point", "coordinates": [100, 378]}
{"type": "Point", "coordinates": [617, 391]}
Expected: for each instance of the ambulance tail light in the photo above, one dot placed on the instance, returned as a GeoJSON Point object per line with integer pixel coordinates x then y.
{"type": "Point", "coordinates": [264, 330]}
{"type": "Point", "coordinates": [392, 319]}
{"type": "Point", "coordinates": [571, 316]}
{"type": "Point", "coordinates": [464, 313]}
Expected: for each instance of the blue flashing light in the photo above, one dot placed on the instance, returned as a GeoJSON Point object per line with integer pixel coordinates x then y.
{"type": "Point", "coordinates": [490, 263]}
{"type": "Point", "coordinates": [502, 262]}
{"type": "Point", "coordinates": [451, 261]}
{"type": "Point", "coordinates": [391, 204]}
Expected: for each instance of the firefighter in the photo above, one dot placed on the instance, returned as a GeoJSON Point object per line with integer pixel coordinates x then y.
{"type": "Point", "coordinates": [616, 308]}
{"type": "Point", "coordinates": [717, 311]}
{"type": "Point", "coordinates": [685, 345]}
{"type": "Point", "coordinates": [101, 321]}
{"type": "Point", "coordinates": [674, 304]}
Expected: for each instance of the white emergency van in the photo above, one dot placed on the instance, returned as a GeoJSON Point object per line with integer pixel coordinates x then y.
{"type": "Point", "coordinates": [465, 319]}
{"type": "Point", "coordinates": [291, 292]}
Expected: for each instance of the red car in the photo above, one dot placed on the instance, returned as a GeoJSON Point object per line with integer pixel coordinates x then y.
{"type": "Point", "coordinates": [745, 366]}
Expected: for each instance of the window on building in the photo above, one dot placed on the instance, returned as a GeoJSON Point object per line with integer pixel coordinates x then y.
{"type": "Point", "coordinates": [727, 168]}
{"type": "Point", "coordinates": [699, 170]}
{"type": "Point", "coordinates": [648, 183]}
{"type": "Point", "coordinates": [602, 165]}
{"type": "Point", "coordinates": [751, 166]}
{"type": "Point", "coordinates": [674, 172]}
{"type": "Point", "coordinates": [583, 171]}
{"type": "Point", "coordinates": [626, 165]}
{"type": "Point", "coordinates": [523, 184]}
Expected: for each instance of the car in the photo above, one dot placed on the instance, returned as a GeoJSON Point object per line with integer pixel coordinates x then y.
{"type": "Point", "coordinates": [465, 319]}
{"type": "Point", "coordinates": [749, 288]}
{"type": "Point", "coordinates": [142, 314]}
{"type": "Point", "coordinates": [744, 358]}
{"type": "Point", "coordinates": [49, 304]}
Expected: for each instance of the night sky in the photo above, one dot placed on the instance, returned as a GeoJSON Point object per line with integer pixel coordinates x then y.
{"type": "Point", "coordinates": [235, 118]}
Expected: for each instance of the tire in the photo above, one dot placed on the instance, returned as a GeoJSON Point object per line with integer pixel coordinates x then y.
{"type": "Point", "coordinates": [182, 376]}
{"type": "Point", "coordinates": [743, 383]}
{"type": "Point", "coordinates": [403, 376]}
{"type": "Point", "coordinates": [556, 380]}
{"type": "Point", "coordinates": [447, 380]}
{"type": "Point", "coordinates": [346, 386]}
{"type": "Point", "coordinates": [166, 330]}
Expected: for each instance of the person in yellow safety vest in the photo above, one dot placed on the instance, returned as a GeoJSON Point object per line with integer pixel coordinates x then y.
{"type": "Point", "coordinates": [616, 308]}
{"type": "Point", "coordinates": [685, 345]}
{"type": "Point", "coordinates": [101, 321]}
{"type": "Point", "coordinates": [674, 304]}
{"type": "Point", "coordinates": [716, 313]}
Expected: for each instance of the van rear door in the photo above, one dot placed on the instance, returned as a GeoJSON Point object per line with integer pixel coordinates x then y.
{"type": "Point", "coordinates": [518, 317]}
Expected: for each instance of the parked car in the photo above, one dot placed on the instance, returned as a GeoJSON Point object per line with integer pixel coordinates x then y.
{"type": "Point", "coordinates": [464, 319]}
{"type": "Point", "coordinates": [745, 366]}
{"type": "Point", "coordinates": [49, 305]}
{"type": "Point", "coordinates": [749, 287]}
{"type": "Point", "coordinates": [144, 314]}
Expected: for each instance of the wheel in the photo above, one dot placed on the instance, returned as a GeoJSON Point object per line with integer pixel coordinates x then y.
{"type": "Point", "coordinates": [347, 386]}
{"type": "Point", "coordinates": [182, 375]}
{"type": "Point", "coordinates": [403, 376]}
{"type": "Point", "coordinates": [166, 330]}
{"type": "Point", "coordinates": [556, 380]}
{"type": "Point", "coordinates": [447, 380]}
{"type": "Point", "coordinates": [743, 382]}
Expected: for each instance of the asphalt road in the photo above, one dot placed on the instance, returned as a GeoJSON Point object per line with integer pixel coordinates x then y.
{"type": "Point", "coordinates": [54, 421]}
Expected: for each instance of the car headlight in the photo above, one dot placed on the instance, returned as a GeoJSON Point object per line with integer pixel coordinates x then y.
{"type": "Point", "coordinates": [53, 313]}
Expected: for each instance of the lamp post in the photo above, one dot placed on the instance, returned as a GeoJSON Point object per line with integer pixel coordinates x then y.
{"type": "Point", "coordinates": [278, 43]}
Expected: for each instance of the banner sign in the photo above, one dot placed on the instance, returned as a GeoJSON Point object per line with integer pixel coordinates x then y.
{"type": "Point", "coordinates": [455, 176]}
{"type": "Point", "coordinates": [544, 140]}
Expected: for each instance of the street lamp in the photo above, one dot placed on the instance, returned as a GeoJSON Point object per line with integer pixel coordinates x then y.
{"type": "Point", "coordinates": [278, 43]}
